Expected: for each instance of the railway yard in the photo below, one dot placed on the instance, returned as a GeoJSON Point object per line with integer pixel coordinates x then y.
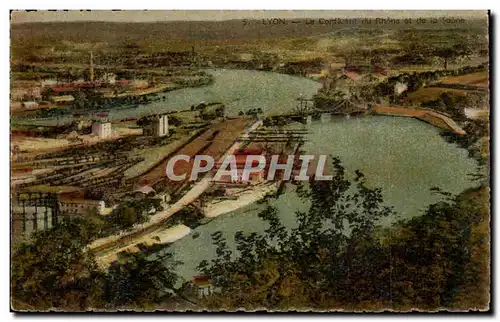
{"type": "Point", "coordinates": [108, 171]}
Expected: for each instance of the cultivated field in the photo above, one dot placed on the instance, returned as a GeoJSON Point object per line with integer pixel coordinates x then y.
{"type": "Point", "coordinates": [432, 93]}
{"type": "Point", "coordinates": [476, 79]}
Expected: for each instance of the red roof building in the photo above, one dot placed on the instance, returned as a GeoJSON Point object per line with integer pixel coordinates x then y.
{"type": "Point", "coordinates": [241, 159]}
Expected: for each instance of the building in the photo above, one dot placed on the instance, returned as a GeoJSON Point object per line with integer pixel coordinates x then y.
{"type": "Point", "coordinates": [36, 208]}
{"type": "Point", "coordinates": [241, 158]}
{"type": "Point", "coordinates": [202, 286]}
{"type": "Point", "coordinates": [101, 129]}
{"type": "Point", "coordinates": [30, 104]}
{"type": "Point", "coordinates": [18, 94]}
{"type": "Point", "coordinates": [26, 219]}
{"type": "Point", "coordinates": [109, 78]}
{"type": "Point", "coordinates": [63, 99]}
{"type": "Point", "coordinates": [80, 206]}
{"type": "Point", "coordinates": [144, 192]}
{"type": "Point", "coordinates": [157, 127]}
{"type": "Point", "coordinates": [139, 83]}
{"type": "Point", "coordinates": [399, 88]}
{"type": "Point", "coordinates": [48, 83]}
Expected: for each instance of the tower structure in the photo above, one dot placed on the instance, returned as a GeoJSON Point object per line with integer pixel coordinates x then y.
{"type": "Point", "coordinates": [91, 67]}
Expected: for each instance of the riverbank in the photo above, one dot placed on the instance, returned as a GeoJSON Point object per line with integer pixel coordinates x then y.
{"type": "Point", "coordinates": [245, 198]}
{"type": "Point", "coordinates": [437, 119]}
{"type": "Point", "coordinates": [166, 236]}
{"type": "Point", "coordinates": [147, 91]}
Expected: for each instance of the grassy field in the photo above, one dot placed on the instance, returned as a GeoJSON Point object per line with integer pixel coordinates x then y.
{"type": "Point", "coordinates": [477, 79]}
{"type": "Point", "coordinates": [431, 93]}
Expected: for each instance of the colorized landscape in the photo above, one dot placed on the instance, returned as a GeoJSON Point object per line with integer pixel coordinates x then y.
{"type": "Point", "coordinates": [101, 107]}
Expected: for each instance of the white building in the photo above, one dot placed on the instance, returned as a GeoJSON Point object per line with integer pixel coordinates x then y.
{"type": "Point", "coordinates": [158, 126]}
{"type": "Point", "coordinates": [30, 104]}
{"type": "Point", "coordinates": [109, 78]}
{"type": "Point", "coordinates": [101, 129]}
{"type": "Point", "coordinates": [81, 206]}
{"type": "Point", "coordinates": [399, 88]}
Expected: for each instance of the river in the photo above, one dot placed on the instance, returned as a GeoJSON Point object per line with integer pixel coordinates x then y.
{"type": "Point", "coordinates": [403, 156]}
{"type": "Point", "coordinates": [239, 90]}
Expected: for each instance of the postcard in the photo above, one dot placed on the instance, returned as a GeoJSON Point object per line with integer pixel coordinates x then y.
{"type": "Point", "coordinates": [221, 161]}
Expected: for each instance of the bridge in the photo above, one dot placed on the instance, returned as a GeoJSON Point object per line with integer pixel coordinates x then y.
{"type": "Point", "coordinates": [347, 107]}
{"type": "Point", "coordinates": [107, 249]}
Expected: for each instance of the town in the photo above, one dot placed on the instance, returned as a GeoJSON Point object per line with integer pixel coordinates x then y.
{"type": "Point", "coordinates": [174, 143]}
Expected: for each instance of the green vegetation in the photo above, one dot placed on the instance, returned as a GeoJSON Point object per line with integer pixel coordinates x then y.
{"type": "Point", "coordinates": [54, 272]}
{"type": "Point", "coordinates": [130, 213]}
{"type": "Point", "coordinates": [414, 81]}
{"type": "Point", "coordinates": [251, 112]}
{"type": "Point", "coordinates": [337, 258]}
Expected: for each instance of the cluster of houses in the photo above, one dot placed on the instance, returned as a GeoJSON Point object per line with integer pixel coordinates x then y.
{"type": "Point", "coordinates": [37, 208]}
{"type": "Point", "coordinates": [62, 93]}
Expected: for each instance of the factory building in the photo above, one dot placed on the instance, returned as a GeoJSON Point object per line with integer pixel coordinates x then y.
{"type": "Point", "coordinates": [62, 99]}
{"type": "Point", "coordinates": [80, 206]}
{"type": "Point", "coordinates": [26, 219]}
{"type": "Point", "coordinates": [157, 127]}
{"type": "Point", "coordinates": [101, 129]}
{"type": "Point", "coordinates": [37, 208]}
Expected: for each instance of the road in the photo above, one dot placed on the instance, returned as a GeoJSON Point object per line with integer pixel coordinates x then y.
{"type": "Point", "coordinates": [435, 118]}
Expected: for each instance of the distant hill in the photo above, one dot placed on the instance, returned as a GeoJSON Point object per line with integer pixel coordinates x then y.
{"type": "Point", "coordinates": [231, 29]}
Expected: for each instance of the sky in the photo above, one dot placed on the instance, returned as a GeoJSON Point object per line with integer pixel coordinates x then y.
{"type": "Point", "coordinates": [219, 15]}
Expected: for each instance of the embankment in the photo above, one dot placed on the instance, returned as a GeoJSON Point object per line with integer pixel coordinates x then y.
{"type": "Point", "coordinates": [437, 119]}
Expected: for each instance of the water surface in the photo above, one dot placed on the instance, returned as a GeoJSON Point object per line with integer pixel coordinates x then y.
{"type": "Point", "coordinates": [403, 156]}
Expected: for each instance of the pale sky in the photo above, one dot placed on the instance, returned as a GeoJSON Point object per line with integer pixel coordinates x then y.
{"type": "Point", "coordinates": [218, 15]}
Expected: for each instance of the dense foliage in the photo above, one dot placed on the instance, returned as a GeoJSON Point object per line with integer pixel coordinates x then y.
{"type": "Point", "coordinates": [338, 257]}
{"type": "Point", "coordinates": [54, 271]}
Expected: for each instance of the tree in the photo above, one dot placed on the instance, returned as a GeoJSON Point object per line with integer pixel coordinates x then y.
{"type": "Point", "coordinates": [54, 271]}
{"type": "Point", "coordinates": [80, 100]}
{"type": "Point", "coordinates": [174, 121]}
{"type": "Point", "coordinates": [339, 257]}
{"type": "Point", "coordinates": [134, 281]}
{"type": "Point", "coordinates": [129, 214]}
{"type": "Point", "coordinates": [298, 268]}
{"type": "Point", "coordinates": [450, 54]}
{"type": "Point", "coordinates": [47, 93]}
{"type": "Point", "coordinates": [330, 99]}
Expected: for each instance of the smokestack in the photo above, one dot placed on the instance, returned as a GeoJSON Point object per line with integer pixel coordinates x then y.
{"type": "Point", "coordinates": [91, 66]}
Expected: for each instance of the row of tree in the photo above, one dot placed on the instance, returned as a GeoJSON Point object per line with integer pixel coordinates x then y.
{"type": "Point", "coordinates": [251, 112]}
{"type": "Point", "coordinates": [340, 258]}
{"type": "Point", "coordinates": [337, 257]}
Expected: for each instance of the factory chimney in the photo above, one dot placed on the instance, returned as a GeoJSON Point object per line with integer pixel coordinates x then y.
{"type": "Point", "coordinates": [91, 67]}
